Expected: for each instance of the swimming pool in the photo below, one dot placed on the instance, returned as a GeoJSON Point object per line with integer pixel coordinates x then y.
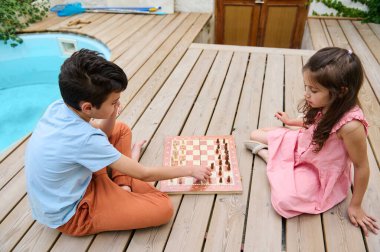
{"type": "Point", "coordinates": [29, 79]}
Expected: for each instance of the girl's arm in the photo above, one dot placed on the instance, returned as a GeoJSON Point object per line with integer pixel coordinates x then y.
{"type": "Point", "coordinates": [134, 169]}
{"type": "Point", "coordinates": [354, 139]}
{"type": "Point", "coordinates": [283, 117]}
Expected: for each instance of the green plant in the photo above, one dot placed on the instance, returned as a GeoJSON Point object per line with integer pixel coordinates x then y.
{"type": "Point", "coordinates": [16, 15]}
{"type": "Point", "coordinates": [372, 15]}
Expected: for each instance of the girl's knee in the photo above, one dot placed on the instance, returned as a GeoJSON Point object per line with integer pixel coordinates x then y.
{"type": "Point", "coordinates": [255, 135]}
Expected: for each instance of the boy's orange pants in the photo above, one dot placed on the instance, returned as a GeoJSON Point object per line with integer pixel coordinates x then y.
{"type": "Point", "coordinates": [106, 206]}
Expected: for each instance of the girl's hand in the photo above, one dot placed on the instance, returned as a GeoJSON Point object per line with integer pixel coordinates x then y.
{"type": "Point", "coordinates": [359, 218]}
{"type": "Point", "coordinates": [283, 117]}
{"type": "Point", "coordinates": [200, 172]}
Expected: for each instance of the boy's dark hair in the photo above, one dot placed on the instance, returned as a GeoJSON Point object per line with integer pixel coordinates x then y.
{"type": "Point", "coordinates": [341, 72]}
{"type": "Point", "coordinates": [86, 76]}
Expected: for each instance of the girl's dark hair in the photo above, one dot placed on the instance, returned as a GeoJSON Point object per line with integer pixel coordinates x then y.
{"type": "Point", "coordinates": [86, 76]}
{"type": "Point", "coordinates": [341, 72]}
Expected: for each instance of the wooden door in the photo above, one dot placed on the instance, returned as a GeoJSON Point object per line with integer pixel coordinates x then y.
{"type": "Point", "coordinates": [237, 22]}
{"type": "Point", "coordinates": [282, 23]}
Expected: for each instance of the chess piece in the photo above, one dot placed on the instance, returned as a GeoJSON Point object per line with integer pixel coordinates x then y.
{"type": "Point", "coordinates": [227, 157]}
{"type": "Point", "coordinates": [228, 179]}
{"type": "Point", "coordinates": [220, 162]}
{"type": "Point", "coordinates": [220, 168]}
{"type": "Point", "coordinates": [228, 167]}
{"type": "Point", "coordinates": [220, 173]}
{"type": "Point", "coordinates": [212, 166]}
{"type": "Point", "coordinates": [217, 141]}
{"type": "Point", "coordinates": [225, 147]}
{"type": "Point", "coordinates": [220, 180]}
{"type": "Point", "coordinates": [224, 140]}
{"type": "Point", "coordinates": [217, 151]}
{"type": "Point", "coordinates": [180, 181]}
{"type": "Point", "coordinates": [219, 157]}
{"type": "Point", "coordinates": [227, 162]}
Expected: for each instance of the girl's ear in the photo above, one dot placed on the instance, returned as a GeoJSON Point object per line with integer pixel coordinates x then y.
{"type": "Point", "coordinates": [343, 91]}
{"type": "Point", "coordinates": [86, 107]}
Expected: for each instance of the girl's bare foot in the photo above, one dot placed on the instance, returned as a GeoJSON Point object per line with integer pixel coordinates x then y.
{"type": "Point", "coordinates": [126, 188]}
{"type": "Point", "coordinates": [136, 150]}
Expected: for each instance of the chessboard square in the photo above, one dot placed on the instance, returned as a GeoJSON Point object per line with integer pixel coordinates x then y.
{"type": "Point", "coordinates": [211, 147]}
{"type": "Point", "coordinates": [196, 152]}
{"type": "Point", "coordinates": [202, 142]}
{"type": "Point", "coordinates": [204, 163]}
{"type": "Point", "coordinates": [203, 147]}
{"type": "Point", "coordinates": [203, 152]}
{"type": "Point", "coordinates": [189, 163]}
{"type": "Point", "coordinates": [189, 142]}
{"type": "Point", "coordinates": [189, 181]}
{"type": "Point", "coordinates": [211, 158]}
{"type": "Point", "coordinates": [189, 147]}
{"type": "Point", "coordinates": [196, 147]}
{"type": "Point", "coordinates": [189, 152]}
{"type": "Point", "coordinates": [196, 157]}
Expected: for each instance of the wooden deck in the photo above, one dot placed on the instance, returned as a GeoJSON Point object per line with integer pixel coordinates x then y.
{"type": "Point", "coordinates": [179, 88]}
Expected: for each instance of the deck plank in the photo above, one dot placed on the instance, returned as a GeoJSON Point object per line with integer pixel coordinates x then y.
{"type": "Point", "coordinates": [38, 238]}
{"type": "Point", "coordinates": [317, 34]}
{"type": "Point", "coordinates": [262, 219]}
{"type": "Point", "coordinates": [156, 70]}
{"type": "Point", "coordinates": [15, 225]}
{"type": "Point", "coordinates": [229, 214]}
{"type": "Point", "coordinates": [371, 66]}
{"type": "Point", "coordinates": [370, 38]}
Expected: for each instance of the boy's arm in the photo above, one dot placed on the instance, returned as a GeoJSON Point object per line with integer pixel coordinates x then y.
{"type": "Point", "coordinates": [107, 125]}
{"type": "Point", "coordinates": [354, 139]}
{"type": "Point", "coordinates": [136, 170]}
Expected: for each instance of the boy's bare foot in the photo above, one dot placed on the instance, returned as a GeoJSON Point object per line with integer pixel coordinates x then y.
{"type": "Point", "coordinates": [136, 150]}
{"type": "Point", "coordinates": [126, 188]}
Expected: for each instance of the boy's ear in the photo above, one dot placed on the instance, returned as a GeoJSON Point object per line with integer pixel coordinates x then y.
{"type": "Point", "coordinates": [85, 107]}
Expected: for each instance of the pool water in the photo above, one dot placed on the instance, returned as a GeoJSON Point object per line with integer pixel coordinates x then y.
{"type": "Point", "coordinates": [29, 79]}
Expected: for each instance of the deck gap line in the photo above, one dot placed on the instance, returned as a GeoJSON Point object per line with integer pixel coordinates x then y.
{"type": "Point", "coordinates": [5, 216]}
{"type": "Point", "coordinates": [323, 232]}
{"type": "Point", "coordinates": [208, 223]}
{"type": "Point", "coordinates": [154, 96]}
{"type": "Point", "coordinates": [174, 219]}
{"type": "Point", "coordinates": [14, 147]}
{"type": "Point", "coordinates": [26, 231]}
{"type": "Point", "coordinates": [129, 239]}
{"type": "Point", "coordinates": [163, 60]}
{"type": "Point", "coordinates": [14, 175]}
{"type": "Point", "coordinates": [159, 46]}
{"type": "Point", "coordinates": [220, 91]}
{"type": "Point", "coordinates": [262, 88]}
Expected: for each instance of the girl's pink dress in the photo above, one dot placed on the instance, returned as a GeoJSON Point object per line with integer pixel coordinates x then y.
{"type": "Point", "coordinates": [303, 181]}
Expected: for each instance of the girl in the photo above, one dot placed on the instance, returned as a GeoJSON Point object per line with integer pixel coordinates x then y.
{"type": "Point", "coordinates": [309, 168]}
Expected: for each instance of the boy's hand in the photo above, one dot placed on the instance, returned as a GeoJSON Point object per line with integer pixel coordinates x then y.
{"type": "Point", "coordinates": [359, 218]}
{"type": "Point", "coordinates": [283, 117]}
{"type": "Point", "coordinates": [117, 110]}
{"type": "Point", "coordinates": [200, 172]}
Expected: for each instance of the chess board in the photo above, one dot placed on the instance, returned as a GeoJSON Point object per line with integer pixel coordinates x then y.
{"type": "Point", "coordinates": [217, 152]}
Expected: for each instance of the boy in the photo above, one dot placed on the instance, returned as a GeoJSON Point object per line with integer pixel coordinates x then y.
{"type": "Point", "coordinates": [68, 153]}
